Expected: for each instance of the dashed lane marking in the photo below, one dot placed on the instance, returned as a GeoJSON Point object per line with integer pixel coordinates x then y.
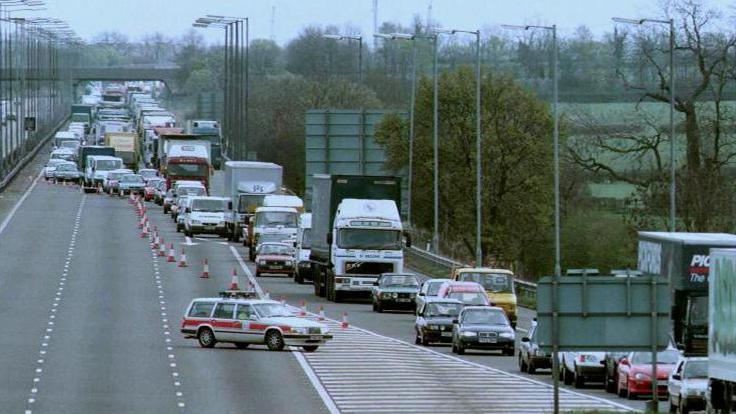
{"type": "Point", "coordinates": [57, 300]}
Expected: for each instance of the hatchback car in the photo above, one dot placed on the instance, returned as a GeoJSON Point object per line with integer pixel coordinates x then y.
{"type": "Point", "coordinates": [434, 320]}
{"type": "Point", "coordinates": [131, 184]}
{"type": "Point", "coordinates": [688, 385]}
{"type": "Point", "coordinates": [244, 322]}
{"type": "Point", "coordinates": [50, 168]}
{"type": "Point", "coordinates": [485, 328]}
{"type": "Point", "coordinates": [275, 258]}
{"type": "Point", "coordinates": [635, 373]}
{"type": "Point", "coordinates": [67, 171]}
{"type": "Point", "coordinates": [531, 357]}
{"type": "Point", "coordinates": [149, 190]}
{"type": "Point", "coordinates": [469, 293]}
{"type": "Point", "coordinates": [429, 289]}
{"type": "Point", "coordinates": [112, 180]}
{"type": "Point", "coordinates": [581, 367]}
{"type": "Point", "coordinates": [395, 291]}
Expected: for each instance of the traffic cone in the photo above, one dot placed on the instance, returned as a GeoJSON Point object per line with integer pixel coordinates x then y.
{"type": "Point", "coordinates": [183, 258]}
{"type": "Point", "coordinates": [344, 323]}
{"type": "Point", "coordinates": [140, 223]}
{"type": "Point", "coordinates": [303, 308]}
{"type": "Point", "coordinates": [144, 232]}
{"type": "Point", "coordinates": [234, 281]}
{"type": "Point", "coordinates": [206, 270]}
{"type": "Point", "coordinates": [154, 246]}
{"type": "Point", "coordinates": [172, 254]}
{"type": "Point", "coordinates": [321, 316]}
{"type": "Point", "coordinates": [162, 248]}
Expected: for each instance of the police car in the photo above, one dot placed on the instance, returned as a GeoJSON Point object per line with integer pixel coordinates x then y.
{"type": "Point", "coordinates": [250, 321]}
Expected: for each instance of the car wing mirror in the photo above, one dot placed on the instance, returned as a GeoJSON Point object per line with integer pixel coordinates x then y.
{"type": "Point", "coordinates": [676, 377]}
{"type": "Point", "coordinates": [525, 339]}
{"type": "Point", "coordinates": [375, 283]}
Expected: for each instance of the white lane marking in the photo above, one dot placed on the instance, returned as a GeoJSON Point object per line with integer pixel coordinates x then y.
{"type": "Point", "coordinates": [247, 272]}
{"type": "Point", "coordinates": [18, 204]}
{"type": "Point", "coordinates": [323, 394]}
{"type": "Point", "coordinates": [58, 297]}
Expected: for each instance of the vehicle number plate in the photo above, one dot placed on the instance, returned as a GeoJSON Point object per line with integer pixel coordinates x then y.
{"type": "Point", "coordinates": [356, 282]}
{"type": "Point", "coordinates": [277, 267]}
{"type": "Point", "coordinates": [447, 334]}
{"type": "Point", "coordinates": [487, 340]}
{"type": "Point", "coordinates": [403, 300]}
{"type": "Point", "coordinates": [315, 337]}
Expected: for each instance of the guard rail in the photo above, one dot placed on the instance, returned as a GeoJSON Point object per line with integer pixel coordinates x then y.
{"type": "Point", "coordinates": [437, 266]}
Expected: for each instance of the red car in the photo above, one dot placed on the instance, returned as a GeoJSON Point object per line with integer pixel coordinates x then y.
{"type": "Point", "coordinates": [149, 191]}
{"type": "Point", "coordinates": [635, 373]}
{"type": "Point", "coordinates": [275, 258]}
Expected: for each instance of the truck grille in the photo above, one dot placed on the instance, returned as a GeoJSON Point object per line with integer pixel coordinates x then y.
{"type": "Point", "coordinates": [368, 268]}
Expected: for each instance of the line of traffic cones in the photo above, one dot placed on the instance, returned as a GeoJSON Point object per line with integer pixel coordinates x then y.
{"type": "Point", "coordinates": [183, 258]}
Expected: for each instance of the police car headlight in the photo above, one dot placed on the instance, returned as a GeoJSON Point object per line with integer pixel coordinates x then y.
{"type": "Point", "coordinates": [468, 333]}
{"type": "Point", "coordinates": [507, 335]}
{"type": "Point", "coordinates": [302, 331]}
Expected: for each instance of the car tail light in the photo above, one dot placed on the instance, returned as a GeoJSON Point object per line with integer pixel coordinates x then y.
{"type": "Point", "coordinates": [581, 358]}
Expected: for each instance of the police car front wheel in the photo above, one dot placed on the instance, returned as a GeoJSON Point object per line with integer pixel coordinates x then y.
{"type": "Point", "coordinates": [274, 340]}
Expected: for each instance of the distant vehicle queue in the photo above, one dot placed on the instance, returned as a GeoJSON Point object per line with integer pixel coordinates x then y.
{"type": "Point", "coordinates": [351, 243]}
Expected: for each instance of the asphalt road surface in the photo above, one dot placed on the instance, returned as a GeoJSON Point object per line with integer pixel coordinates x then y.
{"type": "Point", "coordinates": [90, 318]}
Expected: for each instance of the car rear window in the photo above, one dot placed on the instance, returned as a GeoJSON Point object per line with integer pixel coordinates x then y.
{"type": "Point", "coordinates": [201, 309]}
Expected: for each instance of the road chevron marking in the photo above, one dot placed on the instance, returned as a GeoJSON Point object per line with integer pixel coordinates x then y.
{"type": "Point", "coordinates": [393, 363]}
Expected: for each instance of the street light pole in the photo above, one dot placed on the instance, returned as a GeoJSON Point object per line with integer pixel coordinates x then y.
{"type": "Point", "coordinates": [360, 50]}
{"type": "Point", "coordinates": [435, 144]}
{"type": "Point", "coordinates": [673, 167]}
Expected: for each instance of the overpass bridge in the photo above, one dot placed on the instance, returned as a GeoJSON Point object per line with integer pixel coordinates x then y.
{"type": "Point", "coordinates": [164, 73]}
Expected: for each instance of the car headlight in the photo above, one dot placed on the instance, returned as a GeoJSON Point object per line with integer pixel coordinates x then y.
{"type": "Point", "coordinates": [413, 295]}
{"type": "Point", "coordinates": [508, 335]}
{"type": "Point", "coordinates": [288, 262]}
{"type": "Point", "coordinates": [302, 331]}
{"type": "Point", "coordinates": [468, 333]}
{"type": "Point", "coordinates": [641, 376]}
{"type": "Point", "coordinates": [386, 295]}
{"type": "Point", "coordinates": [261, 262]}
{"type": "Point", "coordinates": [394, 295]}
{"type": "Point", "coordinates": [433, 327]}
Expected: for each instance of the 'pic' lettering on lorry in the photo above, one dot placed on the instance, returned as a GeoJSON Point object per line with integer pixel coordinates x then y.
{"type": "Point", "coordinates": [698, 270]}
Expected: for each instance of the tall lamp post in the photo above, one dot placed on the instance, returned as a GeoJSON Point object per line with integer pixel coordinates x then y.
{"type": "Point", "coordinates": [673, 169]}
{"type": "Point", "coordinates": [556, 150]}
{"type": "Point", "coordinates": [360, 50]}
{"type": "Point", "coordinates": [412, 103]}
{"type": "Point", "coordinates": [478, 138]}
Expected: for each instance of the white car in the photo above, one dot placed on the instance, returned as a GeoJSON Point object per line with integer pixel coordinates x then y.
{"type": "Point", "coordinates": [250, 321]}
{"type": "Point", "coordinates": [50, 168]}
{"type": "Point", "coordinates": [67, 171]}
{"type": "Point", "coordinates": [205, 215]}
{"type": "Point", "coordinates": [429, 289]}
{"type": "Point", "coordinates": [579, 367]}
{"type": "Point", "coordinates": [688, 385]}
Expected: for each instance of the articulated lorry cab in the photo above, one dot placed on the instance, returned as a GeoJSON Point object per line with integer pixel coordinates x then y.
{"type": "Point", "coordinates": [278, 216]}
{"type": "Point", "coordinates": [722, 331]}
{"type": "Point", "coordinates": [209, 130]}
{"type": "Point", "coordinates": [684, 258]}
{"type": "Point", "coordinates": [247, 183]}
{"type": "Point", "coordinates": [356, 233]}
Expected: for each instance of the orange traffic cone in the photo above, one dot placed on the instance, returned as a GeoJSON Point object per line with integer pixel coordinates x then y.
{"type": "Point", "coordinates": [140, 223]}
{"type": "Point", "coordinates": [303, 308]}
{"type": "Point", "coordinates": [172, 254]}
{"type": "Point", "coordinates": [234, 281]}
{"type": "Point", "coordinates": [206, 270]}
{"type": "Point", "coordinates": [321, 313]}
{"type": "Point", "coordinates": [144, 232]}
{"type": "Point", "coordinates": [344, 323]}
{"type": "Point", "coordinates": [154, 246]}
{"type": "Point", "coordinates": [183, 258]}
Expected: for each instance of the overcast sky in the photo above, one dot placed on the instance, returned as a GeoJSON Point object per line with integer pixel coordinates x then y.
{"type": "Point", "coordinates": [174, 17]}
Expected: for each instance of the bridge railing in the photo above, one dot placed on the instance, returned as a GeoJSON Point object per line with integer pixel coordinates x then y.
{"type": "Point", "coordinates": [437, 266]}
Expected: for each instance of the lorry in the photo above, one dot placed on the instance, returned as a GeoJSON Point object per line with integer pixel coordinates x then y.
{"type": "Point", "coordinates": [210, 130]}
{"type": "Point", "coordinates": [356, 232]}
{"type": "Point", "coordinates": [721, 331]}
{"type": "Point", "coordinates": [277, 216]}
{"type": "Point", "coordinates": [159, 136]}
{"type": "Point", "coordinates": [126, 147]}
{"type": "Point", "coordinates": [187, 160]}
{"type": "Point", "coordinates": [301, 251]}
{"type": "Point", "coordinates": [82, 113]}
{"type": "Point", "coordinates": [247, 183]}
{"type": "Point", "coordinates": [684, 259]}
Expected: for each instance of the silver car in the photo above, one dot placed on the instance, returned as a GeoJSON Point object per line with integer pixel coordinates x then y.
{"type": "Point", "coordinates": [50, 168]}
{"type": "Point", "coordinates": [67, 171]}
{"type": "Point", "coordinates": [429, 289]}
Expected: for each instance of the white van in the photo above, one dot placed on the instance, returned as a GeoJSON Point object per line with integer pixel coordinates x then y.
{"type": "Point", "coordinates": [98, 166]}
{"type": "Point", "coordinates": [303, 249]}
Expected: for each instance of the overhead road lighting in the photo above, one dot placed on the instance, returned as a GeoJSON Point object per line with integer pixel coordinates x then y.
{"type": "Point", "coordinates": [360, 50]}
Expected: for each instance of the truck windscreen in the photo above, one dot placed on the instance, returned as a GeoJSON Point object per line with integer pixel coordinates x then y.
{"type": "Point", "coordinates": [369, 239]}
{"type": "Point", "coordinates": [493, 282]}
{"type": "Point", "coordinates": [698, 313]}
{"type": "Point", "coordinates": [188, 170]}
{"type": "Point", "coordinates": [248, 203]}
{"type": "Point", "coordinates": [276, 218]}
{"type": "Point", "coordinates": [107, 165]}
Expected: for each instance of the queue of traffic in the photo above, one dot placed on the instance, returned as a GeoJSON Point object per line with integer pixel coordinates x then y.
{"type": "Point", "coordinates": [348, 242]}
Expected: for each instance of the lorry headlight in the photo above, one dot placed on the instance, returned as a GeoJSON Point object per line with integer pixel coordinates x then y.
{"type": "Point", "coordinates": [468, 333]}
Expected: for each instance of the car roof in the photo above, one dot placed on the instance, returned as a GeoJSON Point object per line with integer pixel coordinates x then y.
{"type": "Point", "coordinates": [274, 243]}
{"type": "Point", "coordinates": [456, 284]}
{"type": "Point", "coordinates": [237, 300]}
{"type": "Point", "coordinates": [189, 183]}
{"type": "Point", "coordinates": [476, 307]}
{"type": "Point", "coordinates": [398, 274]}
{"type": "Point", "coordinates": [483, 270]}
{"type": "Point", "coordinates": [435, 299]}
{"type": "Point", "coordinates": [209, 198]}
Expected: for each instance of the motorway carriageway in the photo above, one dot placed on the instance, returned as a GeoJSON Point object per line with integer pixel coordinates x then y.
{"type": "Point", "coordinates": [91, 324]}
